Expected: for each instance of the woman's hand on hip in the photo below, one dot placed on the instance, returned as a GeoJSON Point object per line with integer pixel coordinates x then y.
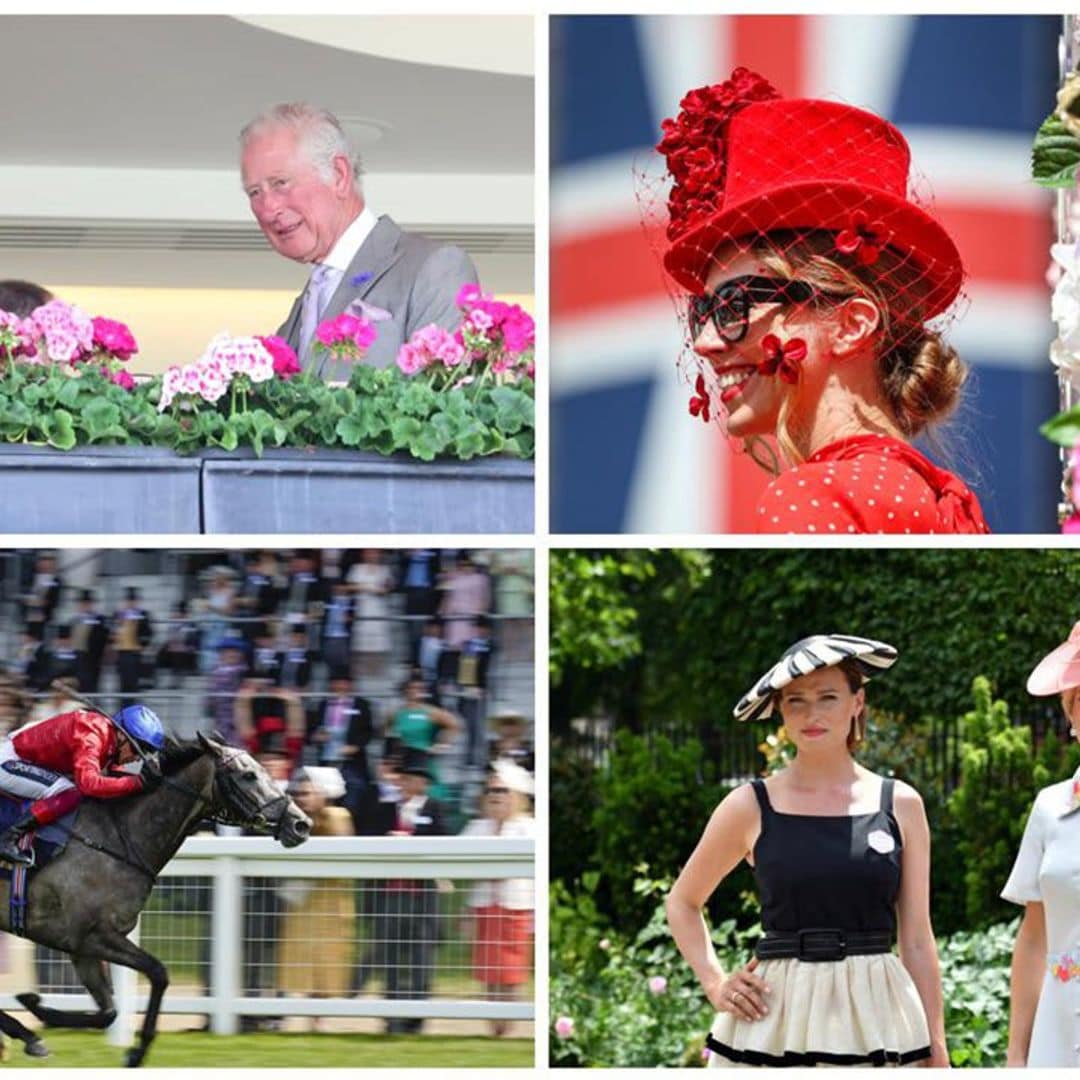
{"type": "Point", "coordinates": [742, 993]}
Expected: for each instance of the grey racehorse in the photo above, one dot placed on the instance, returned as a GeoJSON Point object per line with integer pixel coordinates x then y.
{"type": "Point", "coordinates": [87, 900]}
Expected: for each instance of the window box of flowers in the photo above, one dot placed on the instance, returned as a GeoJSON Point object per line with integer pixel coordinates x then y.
{"type": "Point", "coordinates": [441, 442]}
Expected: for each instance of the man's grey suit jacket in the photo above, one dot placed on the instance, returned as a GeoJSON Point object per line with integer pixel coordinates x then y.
{"type": "Point", "coordinates": [413, 278]}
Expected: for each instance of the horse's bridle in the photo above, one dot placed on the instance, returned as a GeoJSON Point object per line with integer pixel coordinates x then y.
{"type": "Point", "coordinates": [249, 810]}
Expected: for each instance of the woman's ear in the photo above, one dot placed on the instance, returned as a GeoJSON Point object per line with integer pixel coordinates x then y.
{"type": "Point", "coordinates": [855, 322]}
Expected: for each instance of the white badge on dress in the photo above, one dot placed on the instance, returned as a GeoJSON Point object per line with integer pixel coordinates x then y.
{"type": "Point", "coordinates": [881, 842]}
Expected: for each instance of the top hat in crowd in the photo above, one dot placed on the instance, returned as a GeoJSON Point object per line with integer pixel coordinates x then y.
{"type": "Point", "coordinates": [86, 596]}
{"type": "Point", "coordinates": [869, 658]}
{"type": "Point", "coordinates": [1059, 670]}
{"type": "Point", "coordinates": [747, 162]}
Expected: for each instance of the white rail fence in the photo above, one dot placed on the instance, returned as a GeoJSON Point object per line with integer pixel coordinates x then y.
{"type": "Point", "coordinates": [247, 928]}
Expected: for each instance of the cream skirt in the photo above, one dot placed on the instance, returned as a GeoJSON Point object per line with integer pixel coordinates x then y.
{"type": "Point", "coordinates": [863, 1010]}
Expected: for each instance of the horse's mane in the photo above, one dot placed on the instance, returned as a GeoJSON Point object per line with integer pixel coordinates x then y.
{"type": "Point", "coordinates": [179, 753]}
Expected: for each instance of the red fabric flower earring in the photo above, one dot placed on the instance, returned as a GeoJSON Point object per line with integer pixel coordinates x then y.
{"type": "Point", "coordinates": [699, 403]}
{"type": "Point", "coordinates": [782, 359]}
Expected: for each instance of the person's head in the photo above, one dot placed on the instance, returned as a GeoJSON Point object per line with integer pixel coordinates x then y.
{"type": "Point", "coordinates": [301, 179]}
{"type": "Point", "coordinates": [22, 297]}
{"type": "Point", "coordinates": [371, 556]}
{"type": "Point", "coordinates": [231, 652]}
{"type": "Point", "coordinates": [507, 790]}
{"type": "Point", "coordinates": [414, 689]}
{"type": "Point", "coordinates": [509, 727]}
{"type": "Point", "coordinates": [817, 685]}
{"type": "Point", "coordinates": [307, 796]}
{"type": "Point", "coordinates": [131, 594]}
{"type": "Point", "coordinates": [811, 271]}
{"type": "Point", "coordinates": [415, 773]}
{"type": "Point", "coordinates": [825, 709]}
{"type": "Point", "coordinates": [859, 332]}
{"type": "Point", "coordinates": [341, 685]}
{"type": "Point", "coordinates": [86, 599]}
{"type": "Point", "coordinates": [136, 724]}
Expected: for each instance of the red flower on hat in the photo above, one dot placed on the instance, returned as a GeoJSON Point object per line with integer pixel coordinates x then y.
{"type": "Point", "coordinates": [699, 403]}
{"type": "Point", "coordinates": [782, 359]}
{"type": "Point", "coordinates": [693, 144]}
{"type": "Point", "coordinates": [862, 239]}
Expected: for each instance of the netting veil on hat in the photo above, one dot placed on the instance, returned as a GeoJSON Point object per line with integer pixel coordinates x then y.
{"type": "Point", "coordinates": [746, 163]}
{"type": "Point", "coordinates": [811, 654]}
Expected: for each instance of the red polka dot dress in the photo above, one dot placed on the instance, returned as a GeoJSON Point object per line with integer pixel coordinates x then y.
{"type": "Point", "coordinates": [868, 484]}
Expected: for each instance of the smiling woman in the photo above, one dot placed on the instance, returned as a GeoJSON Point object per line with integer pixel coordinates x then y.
{"type": "Point", "coordinates": [812, 275]}
{"type": "Point", "coordinates": [842, 861]}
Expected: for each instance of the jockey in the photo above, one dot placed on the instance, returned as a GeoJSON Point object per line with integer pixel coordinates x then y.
{"type": "Point", "coordinates": [57, 761]}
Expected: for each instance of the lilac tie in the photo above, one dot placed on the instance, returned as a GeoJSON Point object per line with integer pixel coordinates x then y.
{"type": "Point", "coordinates": [316, 297]}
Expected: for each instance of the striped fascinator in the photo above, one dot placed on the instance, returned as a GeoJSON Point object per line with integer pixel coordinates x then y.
{"type": "Point", "coordinates": [812, 654]}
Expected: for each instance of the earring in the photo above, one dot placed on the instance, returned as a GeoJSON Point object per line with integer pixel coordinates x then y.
{"type": "Point", "coordinates": [782, 358]}
{"type": "Point", "coordinates": [1072, 733]}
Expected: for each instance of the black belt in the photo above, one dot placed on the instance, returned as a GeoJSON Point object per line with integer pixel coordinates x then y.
{"type": "Point", "coordinates": [823, 945]}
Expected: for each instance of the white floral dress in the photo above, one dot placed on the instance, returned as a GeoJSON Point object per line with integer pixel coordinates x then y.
{"type": "Point", "coordinates": [1047, 870]}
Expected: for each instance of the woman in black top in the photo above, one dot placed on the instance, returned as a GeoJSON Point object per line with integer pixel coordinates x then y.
{"type": "Point", "coordinates": [842, 862]}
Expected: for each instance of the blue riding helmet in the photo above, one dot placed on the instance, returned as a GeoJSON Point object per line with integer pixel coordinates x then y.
{"type": "Point", "coordinates": [141, 725]}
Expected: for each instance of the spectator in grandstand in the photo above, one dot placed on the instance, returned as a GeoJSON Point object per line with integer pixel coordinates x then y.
{"type": "Point", "coordinates": [511, 739]}
{"type": "Point", "coordinates": [472, 691]}
{"type": "Point", "coordinates": [228, 676]}
{"type": "Point", "coordinates": [266, 712]}
{"type": "Point", "coordinates": [512, 574]}
{"type": "Point", "coordinates": [179, 654]}
{"type": "Point", "coordinates": [370, 581]}
{"type": "Point", "coordinates": [43, 597]}
{"type": "Point", "coordinates": [316, 949]}
{"type": "Point", "coordinates": [424, 727]}
{"type": "Point", "coordinates": [260, 592]}
{"type": "Point", "coordinates": [377, 815]}
{"type": "Point", "coordinates": [337, 630]}
{"type": "Point", "coordinates": [501, 911]}
{"type": "Point", "coordinates": [262, 908]}
{"type": "Point", "coordinates": [33, 662]}
{"type": "Point", "coordinates": [219, 605]}
{"type": "Point", "coordinates": [427, 658]}
{"type": "Point", "coordinates": [413, 905]}
{"type": "Point", "coordinates": [467, 595]}
{"type": "Point", "coordinates": [418, 576]}
{"type": "Point", "coordinates": [132, 632]}
{"type": "Point", "coordinates": [90, 635]}
{"type": "Point", "coordinates": [63, 659]}
{"type": "Point", "coordinates": [342, 732]}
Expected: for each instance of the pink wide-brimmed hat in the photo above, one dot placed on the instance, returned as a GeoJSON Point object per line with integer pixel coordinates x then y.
{"type": "Point", "coordinates": [1058, 670]}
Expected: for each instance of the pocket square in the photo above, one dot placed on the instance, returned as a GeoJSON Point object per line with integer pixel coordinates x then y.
{"type": "Point", "coordinates": [368, 311]}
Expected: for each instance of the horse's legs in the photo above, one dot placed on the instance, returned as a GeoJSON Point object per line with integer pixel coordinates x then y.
{"type": "Point", "coordinates": [112, 946]}
{"type": "Point", "coordinates": [13, 1029]}
{"type": "Point", "coordinates": [95, 978]}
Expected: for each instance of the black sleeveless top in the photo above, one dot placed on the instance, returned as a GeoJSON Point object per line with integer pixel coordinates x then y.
{"type": "Point", "coordinates": [830, 873]}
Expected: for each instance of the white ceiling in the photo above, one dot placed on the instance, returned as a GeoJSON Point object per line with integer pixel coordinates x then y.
{"type": "Point", "coordinates": [119, 138]}
{"type": "Point", "coordinates": [168, 91]}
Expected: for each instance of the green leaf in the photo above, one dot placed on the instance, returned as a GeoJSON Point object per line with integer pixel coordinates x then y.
{"type": "Point", "coordinates": [405, 431]}
{"type": "Point", "coordinates": [101, 419]}
{"type": "Point", "coordinates": [514, 409]}
{"type": "Point", "coordinates": [1063, 429]}
{"type": "Point", "coordinates": [59, 429]}
{"type": "Point", "coordinates": [351, 430]}
{"type": "Point", "coordinates": [1055, 155]}
{"type": "Point", "coordinates": [68, 394]}
{"type": "Point", "coordinates": [229, 439]}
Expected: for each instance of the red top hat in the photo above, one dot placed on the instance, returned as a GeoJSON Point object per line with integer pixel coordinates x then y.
{"type": "Point", "coordinates": [747, 163]}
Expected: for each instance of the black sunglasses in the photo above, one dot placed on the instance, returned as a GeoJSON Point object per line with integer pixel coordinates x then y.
{"type": "Point", "coordinates": [729, 305]}
{"type": "Point", "coordinates": [498, 791]}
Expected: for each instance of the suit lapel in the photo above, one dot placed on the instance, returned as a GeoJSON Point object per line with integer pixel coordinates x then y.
{"type": "Point", "coordinates": [376, 256]}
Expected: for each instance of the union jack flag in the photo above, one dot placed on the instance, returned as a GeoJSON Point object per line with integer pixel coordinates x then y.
{"type": "Point", "coordinates": [967, 91]}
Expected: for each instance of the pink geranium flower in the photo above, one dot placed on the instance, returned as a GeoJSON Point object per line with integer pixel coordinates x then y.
{"type": "Point", "coordinates": [113, 338]}
{"type": "Point", "coordinates": [346, 330]}
{"type": "Point", "coordinates": [564, 1027]}
{"type": "Point", "coordinates": [121, 378]}
{"type": "Point", "coordinates": [285, 363]}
